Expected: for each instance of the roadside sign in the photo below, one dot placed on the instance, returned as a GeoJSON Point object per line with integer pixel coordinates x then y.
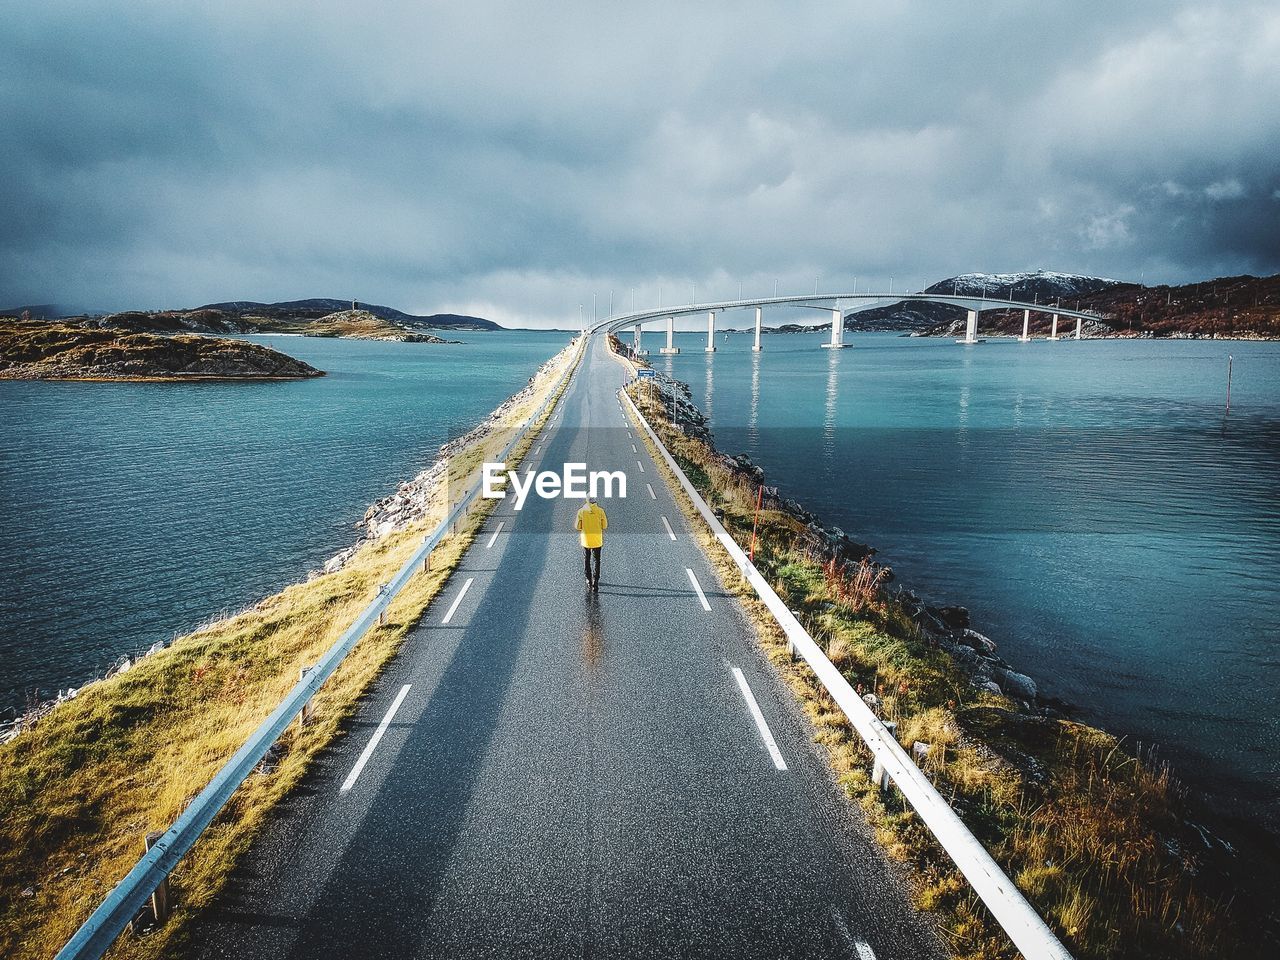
{"type": "Point", "coordinates": [644, 373]}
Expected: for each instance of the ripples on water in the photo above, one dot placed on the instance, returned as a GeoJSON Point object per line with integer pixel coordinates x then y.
{"type": "Point", "coordinates": [135, 511]}
{"type": "Point", "coordinates": [1090, 502]}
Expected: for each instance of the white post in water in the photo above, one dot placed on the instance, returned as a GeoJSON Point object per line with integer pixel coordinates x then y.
{"type": "Point", "coordinates": [837, 332]}
{"type": "Point", "coordinates": [970, 328]}
{"type": "Point", "coordinates": [759, 319]}
{"type": "Point", "coordinates": [671, 337]}
{"type": "Point", "coordinates": [1079, 323]}
{"type": "Point", "coordinates": [1053, 334]}
{"type": "Point", "coordinates": [1026, 327]}
{"type": "Point", "coordinates": [711, 332]}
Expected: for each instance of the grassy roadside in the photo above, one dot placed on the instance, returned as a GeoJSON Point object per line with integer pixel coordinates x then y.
{"type": "Point", "coordinates": [1093, 836]}
{"type": "Point", "coordinates": [79, 790]}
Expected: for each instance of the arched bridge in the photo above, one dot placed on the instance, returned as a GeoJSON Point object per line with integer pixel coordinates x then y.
{"type": "Point", "coordinates": [839, 305]}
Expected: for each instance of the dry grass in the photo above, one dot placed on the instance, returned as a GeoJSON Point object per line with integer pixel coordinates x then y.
{"type": "Point", "coordinates": [1092, 835]}
{"type": "Point", "coordinates": [79, 791]}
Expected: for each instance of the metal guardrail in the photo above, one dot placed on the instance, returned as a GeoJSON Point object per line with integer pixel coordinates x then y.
{"type": "Point", "coordinates": [129, 896]}
{"type": "Point", "coordinates": [1029, 933]}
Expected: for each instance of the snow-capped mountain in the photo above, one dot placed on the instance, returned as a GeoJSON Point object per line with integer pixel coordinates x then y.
{"type": "Point", "coordinates": [1042, 286]}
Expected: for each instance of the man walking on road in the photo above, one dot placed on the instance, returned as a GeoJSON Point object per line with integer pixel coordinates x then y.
{"type": "Point", "coordinates": [591, 523]}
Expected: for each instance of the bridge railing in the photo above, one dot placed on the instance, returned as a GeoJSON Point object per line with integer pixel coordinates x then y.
{"type": "Point", "coordinates": [130, 895]}
{"type": "Point", "coordinates": [1029, 933]}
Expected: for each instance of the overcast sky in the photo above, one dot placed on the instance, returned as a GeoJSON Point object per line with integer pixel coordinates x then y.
{"type": "Point", "coordinates": [510, 160]}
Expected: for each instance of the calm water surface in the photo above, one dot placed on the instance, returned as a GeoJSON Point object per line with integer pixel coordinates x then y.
{"type": "Point", "coordinates": [1105, 523]}
{"type": "Point", "coordinates": [134, 511]}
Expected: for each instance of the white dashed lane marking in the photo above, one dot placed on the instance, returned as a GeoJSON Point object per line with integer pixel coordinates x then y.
{"type": "Point", "coordinates": [640, 465]}
{"type": "Point", "coordinates": [702, 597]}
{"type": "Point", "coordinates": [765, 733]}
{"type": "Point", "coordinates": [670, 532]}
{"type": "Point", "coordinates": [652, 495]}
{"type": "Point", "coordinates": [457, 600]}
{"type": "Point", "coordinates": [372, 745]}
{"type": "Point", "coordinates": [496, 531]}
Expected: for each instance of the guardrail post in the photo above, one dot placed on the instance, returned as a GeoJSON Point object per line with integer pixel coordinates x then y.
{"type": "Point", "coordinates": [879, 775]}
{"type": "Point", "coordinates": [160, 897]}
{"type": "Point", "coordinates": [426, 561]}
{"type": "Point", "coordinates": [304, 715]}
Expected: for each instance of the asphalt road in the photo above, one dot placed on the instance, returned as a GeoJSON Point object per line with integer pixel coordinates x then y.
{"type": "Point", "coordinates": [567, 775]}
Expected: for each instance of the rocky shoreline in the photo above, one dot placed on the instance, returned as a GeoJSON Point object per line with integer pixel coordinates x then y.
{"type": "Point", "coordinates": [1210, 849]}
{"type": "Point", "coordinates": [949, 626]}
{"type": "Point", "coordinates": [413, 498]}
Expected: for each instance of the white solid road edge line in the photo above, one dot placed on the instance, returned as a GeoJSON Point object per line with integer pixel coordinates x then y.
{"type": "Point", "coordinates": [864, 950]}
{"type": "Point", "coordinates": [665, 523]}
{"type": "Point", "coordinates": [702, 597]}
{"type": "Point", "coordinates": [496, 531]}
{"type": "Point", "coordinates": [765, 734]}
{"type": "Point", "coordinates": [652, 495]}
{"type": "Point", "coordinates": [457, 600]}
{"type": "Point", "coordinates": [348, 783]}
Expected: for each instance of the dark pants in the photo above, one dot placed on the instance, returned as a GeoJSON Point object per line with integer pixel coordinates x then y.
{"type": "Point", "coordinates": [588, 554]}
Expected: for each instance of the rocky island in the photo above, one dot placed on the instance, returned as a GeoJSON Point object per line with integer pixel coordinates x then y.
{"type": "Point", "coordinates": [32, 350]}
{"type": "Point", "coordinates": [363, 325]}
{"type": "Point", "coordinates": [317, 317]}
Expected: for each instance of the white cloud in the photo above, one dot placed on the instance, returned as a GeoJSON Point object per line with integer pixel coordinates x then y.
{"type": "Point", "coordinates": [1110, 229]}
{"type": "Point", "coordinates": [1229, 189]}
{"type": "Point", "coordinates": [496, 159]}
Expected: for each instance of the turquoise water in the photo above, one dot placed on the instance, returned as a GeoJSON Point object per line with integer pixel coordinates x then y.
{"type": "Point", "coordinates": [135, 511]}
{"type": "Point", "coordinates": [1106, 524]}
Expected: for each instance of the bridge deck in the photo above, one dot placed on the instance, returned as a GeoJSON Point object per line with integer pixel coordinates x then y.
{"type": "Point", "coordinates": [567, 775]}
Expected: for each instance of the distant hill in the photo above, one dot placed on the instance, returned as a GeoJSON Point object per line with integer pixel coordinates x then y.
{"type": "Point", "coordinates": [1243, 307]}
{"type": "Point", "coordinates": [348, 324]}
{"type": "Point", "coordinates": [301, 310]}
{"type": "Point", "coordinates": [37, 311]}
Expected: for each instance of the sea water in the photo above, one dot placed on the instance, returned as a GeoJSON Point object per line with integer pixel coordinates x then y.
{"type": "Point", "coordinates": [130, 512]}
{"type": "Point", "coordinates": [1104, 518]}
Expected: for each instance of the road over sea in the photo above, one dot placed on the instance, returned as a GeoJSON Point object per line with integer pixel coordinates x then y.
{"type": "Point", "coordinates": [546, 773]}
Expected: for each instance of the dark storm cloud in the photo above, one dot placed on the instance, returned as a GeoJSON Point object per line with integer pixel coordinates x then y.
{"type": "Point", "coordinates": [510, 160]}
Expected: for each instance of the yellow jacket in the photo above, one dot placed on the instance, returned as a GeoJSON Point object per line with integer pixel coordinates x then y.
{"type": "Point", "coordinates": [592, 522]}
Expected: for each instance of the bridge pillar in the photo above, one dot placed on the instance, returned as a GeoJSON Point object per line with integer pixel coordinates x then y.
{"type": "Point", "coordinates": [1026, 327]}
{"type": "Point", "coordinates": [759, 318]}
{"type": "Point", "coordinates": [837, 332]}
{"type": "Point", "coordinates": [971, 328]}
{"type": "Point", "coordinates": [635, 344]}
{"type": "Point", "coordinates": [711, 332]}
{"type": "Point", "coordinates": [671, 337]}
{"type": "Point", "coordinates": [1053, 334]}
{"type": "Point", "coordinates": [1079, 323]}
